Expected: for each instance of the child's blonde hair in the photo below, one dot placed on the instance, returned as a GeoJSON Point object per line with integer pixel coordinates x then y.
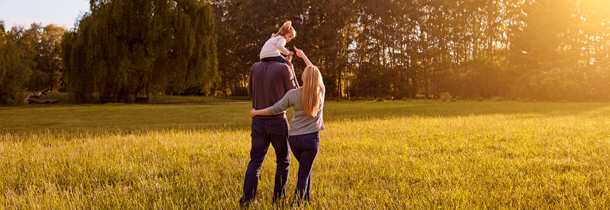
{"type": "Point", "coordinates": [286, 29]}
{"type": "Point", "coordinates": [312, 83]}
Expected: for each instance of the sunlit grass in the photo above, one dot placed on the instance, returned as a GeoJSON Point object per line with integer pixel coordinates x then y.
{"type": "Point", "coordinates": [388, 155]}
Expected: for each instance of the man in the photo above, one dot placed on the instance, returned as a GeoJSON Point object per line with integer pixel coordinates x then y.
{"type": "Point", "coordinates": [267, 84]}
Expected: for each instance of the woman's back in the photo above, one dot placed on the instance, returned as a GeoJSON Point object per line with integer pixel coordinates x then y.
{"type": "Point", "coordinates": [301, 123]}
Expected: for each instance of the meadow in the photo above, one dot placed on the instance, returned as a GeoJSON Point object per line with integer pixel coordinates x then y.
{"type": "Point", "coordinates": [374, 155]}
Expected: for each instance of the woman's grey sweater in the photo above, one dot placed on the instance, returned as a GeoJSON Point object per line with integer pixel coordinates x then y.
{"type": "Point", "coordinates": [301, 123]}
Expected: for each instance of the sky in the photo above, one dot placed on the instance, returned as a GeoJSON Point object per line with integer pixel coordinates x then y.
{"type": "Point", "coordinates": [25, 12]}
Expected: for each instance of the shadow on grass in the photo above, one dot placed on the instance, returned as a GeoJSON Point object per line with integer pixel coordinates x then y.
{"type": "Point", "coordinates": [128, 119]}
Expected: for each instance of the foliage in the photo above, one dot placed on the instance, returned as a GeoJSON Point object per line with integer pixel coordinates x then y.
{"type": "Point", "coordinates": [322, 27]}
{"type": "Point", "coordinates": [15, 66]}
{"type": "Point", "coordinates": [141, 47]}
{"type": "Point", "coordinates": [44, 41]}
{"type": "Point", "coordinates": [582, 83]}
{"type": "Point", "coordinates": [446, 96]}
{"type": "Point", "coordinates": [392, 155]}
{"type": "Point", "coordinates": [538, 49]}
{"type": "Point", "coordinates": [404, 48]}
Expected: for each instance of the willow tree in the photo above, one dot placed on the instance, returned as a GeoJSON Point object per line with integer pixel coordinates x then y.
{"type": "Point", "coordinates": [127, 47]}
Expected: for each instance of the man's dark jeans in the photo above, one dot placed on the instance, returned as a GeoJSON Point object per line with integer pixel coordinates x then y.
{"type": "Point", "coordinates": [272, 131]}
{"type": "Point", "coordinates": [305, 149]}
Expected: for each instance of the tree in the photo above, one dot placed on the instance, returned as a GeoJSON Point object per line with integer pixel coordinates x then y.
{"type": "Point", "coordinates": [541, 48]}
{"type": "Point", "coordinates": [470, 48]}
{"type": "Point", "coordinates": [126, 47]}
{"type": "Point", "coordinates": [14, 67]}
{"type": "Point", "coordinates": [323, 30]}
{"type": "Point", "coordinates": [45, 49]}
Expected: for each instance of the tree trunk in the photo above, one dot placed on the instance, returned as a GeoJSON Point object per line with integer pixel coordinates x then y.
{"type": "Point", "coordinates": [125, 95]}
{"type": "Point", "coordinates": [29, 100]}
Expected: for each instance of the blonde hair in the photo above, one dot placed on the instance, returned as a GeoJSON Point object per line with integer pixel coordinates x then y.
{"type": "Point", "coordinates": [286, 29]}
{"type": "Point", "coordinates": [312, 84]}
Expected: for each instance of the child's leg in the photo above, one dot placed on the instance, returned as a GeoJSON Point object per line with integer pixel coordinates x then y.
{"type": "Point", "coordinates": [280, 59]}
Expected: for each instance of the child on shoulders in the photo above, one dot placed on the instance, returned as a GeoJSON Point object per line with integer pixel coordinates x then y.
{"type": "Point", "coordinates": [275, 46]}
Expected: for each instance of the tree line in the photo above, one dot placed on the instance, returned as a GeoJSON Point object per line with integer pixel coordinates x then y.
{"type": "Point", "coordinates": [29, 60]}
{"type": "Point", "coordinates": [535, 49]}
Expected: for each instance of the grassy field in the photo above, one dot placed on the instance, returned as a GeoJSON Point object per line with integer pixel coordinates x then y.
{"type": "Point", "coordinates": [374, 155]}
{"type": "Point", "coordinates": [66, 98]}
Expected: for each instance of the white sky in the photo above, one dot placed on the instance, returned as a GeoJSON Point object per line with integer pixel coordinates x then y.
{"type": "Point", "coordinates": [25, 12]}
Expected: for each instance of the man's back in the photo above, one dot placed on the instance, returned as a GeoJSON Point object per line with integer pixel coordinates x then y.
{"type": "Point", "coordinates": [267, 84]}
{"type": "Point", "coordinates": [269, 81]}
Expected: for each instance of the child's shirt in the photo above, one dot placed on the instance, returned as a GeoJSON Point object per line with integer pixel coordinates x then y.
{"type": "Point", "coordinates": [273, 47]}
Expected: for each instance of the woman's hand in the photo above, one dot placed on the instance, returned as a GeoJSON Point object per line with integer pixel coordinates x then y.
{"type": "Point", "coordinates": [253, 113]}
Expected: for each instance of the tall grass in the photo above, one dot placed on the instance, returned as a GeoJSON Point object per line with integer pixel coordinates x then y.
{"type": "Point", "coordinates": [386, 155]}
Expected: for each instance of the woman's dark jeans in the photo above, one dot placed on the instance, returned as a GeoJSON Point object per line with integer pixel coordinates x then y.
{"type": "Point", "coordinates": [305, 148]}
{"type": "Point", "coordinates": [267, 132]}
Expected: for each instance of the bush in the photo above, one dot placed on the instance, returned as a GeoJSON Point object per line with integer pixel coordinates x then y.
{"type": "Point", "coordinates": [240, 91]}
{"type": "Point", "coordinates": [446, 96]}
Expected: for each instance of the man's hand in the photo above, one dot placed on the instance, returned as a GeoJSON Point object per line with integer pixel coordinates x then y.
{"type": "Point", "coordinates": [253, 113]}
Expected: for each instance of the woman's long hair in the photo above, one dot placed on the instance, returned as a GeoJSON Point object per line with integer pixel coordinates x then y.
{"type": "Point", "coordinates": [312, 85]}
{"type": "Point", "coordinates": [286, 29]}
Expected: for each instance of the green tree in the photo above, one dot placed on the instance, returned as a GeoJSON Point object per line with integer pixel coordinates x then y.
{"type": "Point", "coordinates": [14, 67]}
{"type": "Point", "coordinates": [541, 47]}
{"type": "Point", "coordinates": [45, 49]}
{"type": "Point", "coordinates": [469, 48]}
{"type": "Point", "coordinates": [323, 31]}
{"type": "Point", "coordinates": [141, 47]}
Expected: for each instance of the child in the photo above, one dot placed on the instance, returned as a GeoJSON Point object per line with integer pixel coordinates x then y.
{"type": "Point", "coordinates": [275, 46]}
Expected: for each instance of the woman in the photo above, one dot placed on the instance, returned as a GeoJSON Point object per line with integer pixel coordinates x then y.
{"type": "Point", "coordinates": [304, 134]}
